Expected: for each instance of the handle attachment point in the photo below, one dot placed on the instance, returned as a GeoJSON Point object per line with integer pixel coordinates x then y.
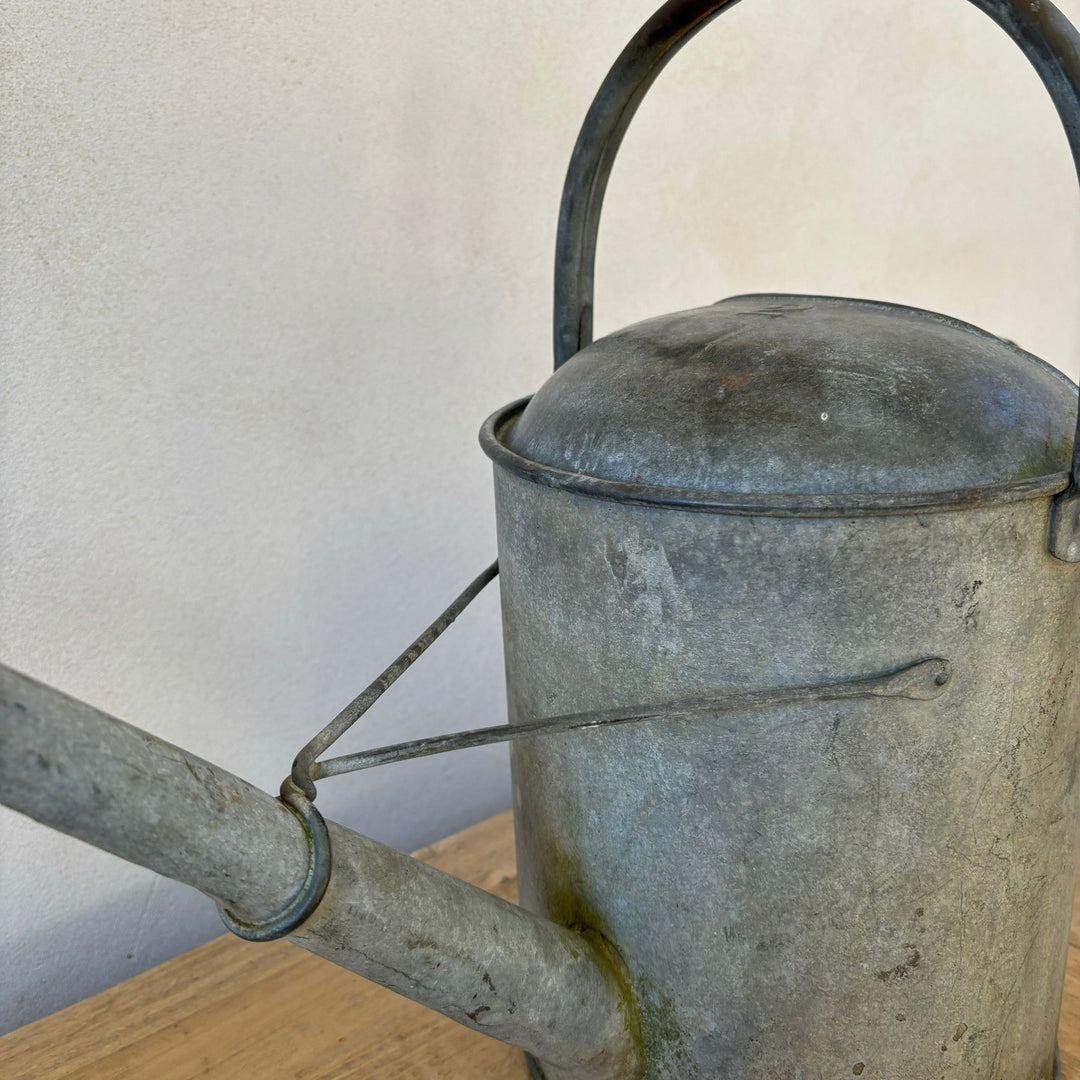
{"type": "Point", "coordinates": [1065, 527]}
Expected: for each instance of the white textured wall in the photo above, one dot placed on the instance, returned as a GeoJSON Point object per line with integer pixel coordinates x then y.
{"type": "Point", "coordinates": [266, 267]}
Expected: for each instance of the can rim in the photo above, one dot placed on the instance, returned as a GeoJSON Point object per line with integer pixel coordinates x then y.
{"type": "Point", "coordinates": [751, 504]}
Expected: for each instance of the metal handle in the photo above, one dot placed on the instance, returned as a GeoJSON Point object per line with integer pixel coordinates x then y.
{"type": "Point", "coordinates": [1046, 37]}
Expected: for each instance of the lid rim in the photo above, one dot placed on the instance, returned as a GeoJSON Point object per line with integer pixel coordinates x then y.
{"type": "Point", "coordinates": [750, 504]}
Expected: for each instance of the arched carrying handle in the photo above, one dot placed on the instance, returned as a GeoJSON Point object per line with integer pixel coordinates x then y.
{"type": "Point", "coordinates": [1046, 37]}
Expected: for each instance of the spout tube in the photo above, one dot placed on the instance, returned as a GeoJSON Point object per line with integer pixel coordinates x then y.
{"type": "Point", "coordinates": [481, 961]}
{"type": "Point", "coordinates": [72, 767]}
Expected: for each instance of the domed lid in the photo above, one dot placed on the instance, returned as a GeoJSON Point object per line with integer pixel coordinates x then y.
{"type": "Point", "coordinates": [796, 404]}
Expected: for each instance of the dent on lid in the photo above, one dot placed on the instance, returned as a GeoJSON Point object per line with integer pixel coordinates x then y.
{"type": "Point", "coordinates": [800, 395]}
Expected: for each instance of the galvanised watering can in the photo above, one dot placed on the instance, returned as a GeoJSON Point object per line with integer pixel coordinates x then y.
{"type": "Point", "coordinates": [791, 604]}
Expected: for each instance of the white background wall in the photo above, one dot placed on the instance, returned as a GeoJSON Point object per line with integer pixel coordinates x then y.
{"type": "Point", "coordinates": [267, 266]}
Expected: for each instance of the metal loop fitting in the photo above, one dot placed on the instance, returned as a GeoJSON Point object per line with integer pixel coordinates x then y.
{"type": "Point", "coordinates": [315, 881]}
{"type": "Point", "coordinates": [306, 767]}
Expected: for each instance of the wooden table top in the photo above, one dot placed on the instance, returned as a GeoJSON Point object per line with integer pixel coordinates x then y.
{"type": "Point", "coordinates": [224, 1011]}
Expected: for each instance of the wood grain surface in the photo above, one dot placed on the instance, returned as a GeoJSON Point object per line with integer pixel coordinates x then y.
{"type": "Point", "coordinates": [232, 1010]}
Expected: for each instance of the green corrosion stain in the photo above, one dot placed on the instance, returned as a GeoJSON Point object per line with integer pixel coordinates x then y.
{"type": "Point", "coordinates": [651, 1016]}
{"type": "Point", "coordinates": [564, 902]}
{"type": "Point", "coordinates": [661, 1034]}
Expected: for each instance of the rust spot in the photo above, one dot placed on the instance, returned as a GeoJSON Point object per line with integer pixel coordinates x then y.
{"type": "Point", "coordinates": [858, 1067]}
{"type": "Point", "coordinates": [734, 382]}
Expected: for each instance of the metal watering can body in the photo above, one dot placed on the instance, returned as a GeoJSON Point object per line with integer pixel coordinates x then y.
{"type": "Point", "coordinates": [799, 492]}
{"type": "Point", "coordinates": [791, 606]}
{"type": "Point", "coordinates": [876, 885]}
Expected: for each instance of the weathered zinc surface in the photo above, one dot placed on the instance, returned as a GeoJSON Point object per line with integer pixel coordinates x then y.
{"type": "Point", "coordinates": [772, 492]}
{"type": "Point", "coordinates": [782, 491]}
{"type": "Point", "coordinates": [875, 887]}
{"type": "Point", "coordinates": [759, 501]}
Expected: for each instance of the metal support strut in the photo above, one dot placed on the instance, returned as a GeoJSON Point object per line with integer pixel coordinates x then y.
{"type": "Point", "coordinates": [923, 680]}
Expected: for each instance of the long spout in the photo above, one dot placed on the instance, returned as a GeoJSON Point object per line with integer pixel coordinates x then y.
{"type": "Point", "coordinates": [481, 961]}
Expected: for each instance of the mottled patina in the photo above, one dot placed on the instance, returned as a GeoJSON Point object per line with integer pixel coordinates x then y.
{"type": "Point", "coordinates": [791, 605]}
